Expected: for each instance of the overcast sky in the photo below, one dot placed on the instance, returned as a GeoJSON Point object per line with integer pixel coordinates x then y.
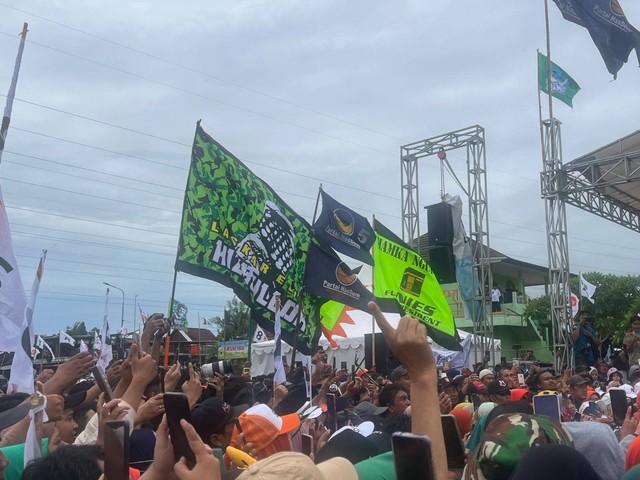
{"type": "Point", "coordinates": [304, 92]}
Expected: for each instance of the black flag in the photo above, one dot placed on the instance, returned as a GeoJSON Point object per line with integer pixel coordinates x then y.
{"type": "Point", "coordinates": [610, 30]}
{"type": "Point", "coordinates": [329, 277]}
{"type": "Point", "coordinates": [345, 230]}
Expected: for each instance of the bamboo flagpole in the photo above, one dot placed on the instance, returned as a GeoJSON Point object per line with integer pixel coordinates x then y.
{"type": "Point", "coordinates": [6, 118]}
{"type": "Point", "coordinates": [373, 320]}
{"type": "Point", "coordinates": [175, 270]}
{"type": "Point", "coordinates": [549, 92]}
{"type": "Point", "coordinates": [297, 324]}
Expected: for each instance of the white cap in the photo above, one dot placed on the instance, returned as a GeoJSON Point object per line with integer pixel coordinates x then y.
{"type": "Point", "coordinates": [484, 373]}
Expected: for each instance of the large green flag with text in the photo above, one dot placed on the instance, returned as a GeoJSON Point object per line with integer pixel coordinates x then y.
{"type": "Point", "coordinates": [237, 231]}
{"type": "Point", "coordinates": [563, 87]}
{"type": "Point", "coordinates": [402, 276]}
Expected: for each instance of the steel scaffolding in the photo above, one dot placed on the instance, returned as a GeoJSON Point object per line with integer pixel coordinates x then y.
{"type": "Point", "coordinates": [552, 183]}
{"type": "Point", "coordinates": [471, 138]}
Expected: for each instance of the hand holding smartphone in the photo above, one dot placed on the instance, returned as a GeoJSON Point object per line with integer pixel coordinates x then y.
{"type": "Point", "coordinates": [102, 383]}
{"type": "Point", "coordinates": [176, 407]}
{"type": "Point", "coordinates": [116, 450]}
{"type": "Point", "coordinates": [618, 405]}
{"type": "Point", "coordinates": [412, 456]}
{"type": "Point", "coordinates": [453, 442]}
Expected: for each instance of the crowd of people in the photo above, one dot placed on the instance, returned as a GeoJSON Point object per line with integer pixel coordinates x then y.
{"type": "Point", "coordinates": [238, 427]}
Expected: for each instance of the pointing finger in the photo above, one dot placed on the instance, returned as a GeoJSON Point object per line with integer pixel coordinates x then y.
{"type": "Point", "coordinates": [383, 324]}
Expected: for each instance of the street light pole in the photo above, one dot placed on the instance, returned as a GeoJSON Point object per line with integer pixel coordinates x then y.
{"type": "Point", "coordinates": [122, 315]}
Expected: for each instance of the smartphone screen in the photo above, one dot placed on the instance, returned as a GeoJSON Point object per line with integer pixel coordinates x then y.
{"type": "Point", "coordinates": [176, 406]}
{"type": "Point", "coordinates": [452, 442]}
{"type": "Point", "coordinates": [618, 405]}
{"type": "Point", "coordinates": [592, 409]}
{"type": "Point", "coordinates": [307, 444]}
{"type": "Point", "coordinates": [412, 456]}
{"type": "Point", "coordinates": [116, 450]}
{"type": "Point", "coordinates": [103, 385]}
{"type": "Point", "coordinates": [548, 405]}
{"type": "Point", "coordinates": [333, 362]}
{"type": "Point", "coordinates": [332, 420]}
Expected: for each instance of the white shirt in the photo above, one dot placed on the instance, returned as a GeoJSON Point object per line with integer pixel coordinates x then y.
{"type": "Point", "coordinates": [495, 295]}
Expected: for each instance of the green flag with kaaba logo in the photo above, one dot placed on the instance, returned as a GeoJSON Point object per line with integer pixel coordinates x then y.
{"type": "Point", "coordinates": [563, 87]}
{"type": "Point", "coordinates": [404, 282]}
{"type": "Point", "coordinates": [237, 231]}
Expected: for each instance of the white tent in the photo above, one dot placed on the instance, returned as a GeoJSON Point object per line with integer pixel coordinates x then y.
{"type": "Point", "coordinates": [353, 345]}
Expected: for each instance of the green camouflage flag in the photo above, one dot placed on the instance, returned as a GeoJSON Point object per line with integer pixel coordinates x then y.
{"type": "Point", "coordinates": [563, 87]}
{"type": "Point", "coordinates": [237, 231]}
{"type": "Point", "coordinates": [402, 276]}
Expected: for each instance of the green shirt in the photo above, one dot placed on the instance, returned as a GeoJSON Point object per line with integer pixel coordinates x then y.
{"type": "Point", "coordinates": [380, 467]}
{"type": "Point", "coordinates": [15, 455]}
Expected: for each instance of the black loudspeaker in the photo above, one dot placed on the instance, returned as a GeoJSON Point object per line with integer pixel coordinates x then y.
{"type": "Point", "coordinates": [385, 360]}
{"type": "Point", "coordinates": [440, 224]}
{"type": "Point", "coordinates": [443, 263]}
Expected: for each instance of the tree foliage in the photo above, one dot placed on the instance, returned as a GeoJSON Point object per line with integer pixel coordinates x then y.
{"type": "Point", "coordinates": [235, 322]}
{"type": "Point", "coordinates": [538, 309]}
{"type": "Point", "coordinates": [617, 297]}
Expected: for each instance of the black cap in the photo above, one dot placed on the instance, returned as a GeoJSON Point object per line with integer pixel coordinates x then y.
{"type": "Point", "coordinates": [74, 400]}
{"type": "Point", "coordinates": [498, 387]}
{"type": "Point", "coordinates": [212, 415]}
{"type": "Point", "coordinates": [576, 380]}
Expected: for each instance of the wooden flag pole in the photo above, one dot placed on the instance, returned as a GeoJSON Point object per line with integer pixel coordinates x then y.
{"type": "Point", "coordinates": [546, 21]}
{"type": "Point", "coordinates": [373, 320]}
{"type": "Point", "coordinates": [6, 118]}
{"type": "Point", "coordinates": [296, 329]}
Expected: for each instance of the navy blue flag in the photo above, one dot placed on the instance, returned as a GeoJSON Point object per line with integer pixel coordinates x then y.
{"type": "Point", "coordinates": [614, 36]}
{"type": "Point", "coordinates": [345, 230]}
{"type": "Point", "coordinates": [329, 277]}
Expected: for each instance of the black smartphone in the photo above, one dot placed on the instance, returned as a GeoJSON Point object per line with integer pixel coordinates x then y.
{"type": "Point", "coordinates": [332, 419]}
{"type": "Point", "coordinates": [618, 405]}
{"type": "Point", "coordinates": [102, 383]}
{"type": "Point", "coordinates": [412, 456]}
{"type": "Point", "coordinates": [176, 406]}
{"type": "Point", "coordinates": [345, 375]}
{"type": "Point", "coordinates": [116, 450]}
{"type": "Point", "coordinates": [592, 409]}
{"type": "Point", "coordinates": [475, 398]}
{"type": "Point", "coordinates": [548, 405]}
{"type": "Point", "coordinates": [333, 362]}
{"type": "Point", "coordinates": [452, 442]}
{"type": "Point", "coordinates": [307, 444]}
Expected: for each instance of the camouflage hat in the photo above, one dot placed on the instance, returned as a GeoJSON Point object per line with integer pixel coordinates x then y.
{"type": "Point", "coordinates": [507, 439]}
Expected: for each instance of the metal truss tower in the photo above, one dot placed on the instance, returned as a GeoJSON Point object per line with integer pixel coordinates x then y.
{"type": "Point", "coordinates": [471, 138]}
{"type": "Point", "coordinates": [552, 180]}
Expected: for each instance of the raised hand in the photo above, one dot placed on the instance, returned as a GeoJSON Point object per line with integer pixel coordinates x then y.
{"type": "Point", "coordinates": [207, 466]}
{"type": "Point", "coordinates": [69, 373]}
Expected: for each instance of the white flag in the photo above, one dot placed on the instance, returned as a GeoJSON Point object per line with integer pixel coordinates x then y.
{"type": "Point", "coordinates": [587, 289]}
{"type": "Point", "coordinates": [21, 378]}
{"type": "Point", "coordinates": [83, 346]}
{"type": "Point", "coordinates": [66, 338]}
{"type": "Point", "coordinates": [259, 336]}
{"type": "Point", "coordinates": [106, 353]}
{"type": "Point", "coordinates": [41, 344]}
{"type": "Point", "coordinates": [13, 301]}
